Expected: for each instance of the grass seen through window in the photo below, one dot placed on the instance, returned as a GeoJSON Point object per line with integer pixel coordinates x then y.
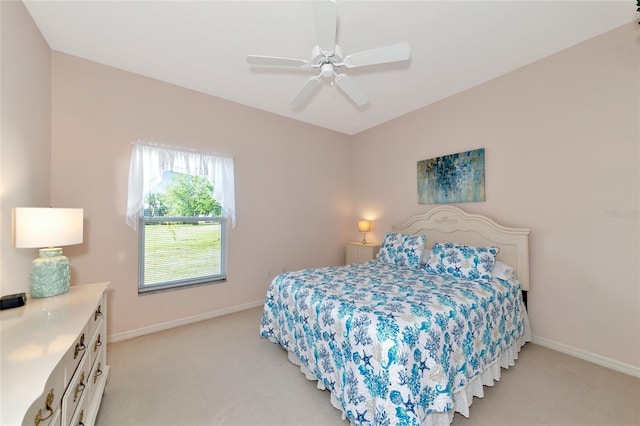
{"type": "Point", "coordinates": [173, 251]}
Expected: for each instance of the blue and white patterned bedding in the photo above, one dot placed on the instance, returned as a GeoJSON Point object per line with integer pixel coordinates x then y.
{"type": "Point", "coordinates": [392, 344]}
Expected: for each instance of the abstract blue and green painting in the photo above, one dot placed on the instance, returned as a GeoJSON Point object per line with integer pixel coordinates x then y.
{"type": "Point", "coordinates": [454, 178]}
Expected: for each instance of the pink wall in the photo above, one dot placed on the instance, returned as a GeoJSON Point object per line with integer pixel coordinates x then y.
{"type": "Point", "coordinates": [25, 149]}
{"type": "Point", "coordinates": [562, 152]}
{"type": "Point", "coordinates": [292, 190]}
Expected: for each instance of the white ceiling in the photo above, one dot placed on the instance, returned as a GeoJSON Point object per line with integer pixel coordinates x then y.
{"type": "Point", "coordinates": [203, 46]}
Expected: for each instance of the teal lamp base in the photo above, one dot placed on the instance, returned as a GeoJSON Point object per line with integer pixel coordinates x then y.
{"type": "Point", "coordinates": [49, 273]}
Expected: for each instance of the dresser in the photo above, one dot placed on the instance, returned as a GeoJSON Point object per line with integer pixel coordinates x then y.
{"type": "Point", "coordinates": [54, 355]}
{"type": "Point", "coordinates": [358, 252]}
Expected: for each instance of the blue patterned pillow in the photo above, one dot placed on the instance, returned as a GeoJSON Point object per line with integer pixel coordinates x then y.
{"type": "Point", "coordinates": [459, 260]}
{"type": "Point", "coordinates": [402, 249]}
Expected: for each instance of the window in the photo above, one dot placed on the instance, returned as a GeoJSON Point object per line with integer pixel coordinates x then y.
{"type": "Point", "coordinates": [180, 202]}
{"type": "Point", "coordinates": [182, 236]}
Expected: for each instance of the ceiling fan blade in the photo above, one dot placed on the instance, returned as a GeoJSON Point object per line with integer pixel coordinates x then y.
{"type": "Point", "coordinates": [381, 55]}
{"type": "Point", "coordinates": [305, 93]}
{"type": "Point", "coordinates": [352, 90]}
{"type": "Point", "coordinates": [275, 61]}
{"type": "Point", "coordinates": [326, 18]}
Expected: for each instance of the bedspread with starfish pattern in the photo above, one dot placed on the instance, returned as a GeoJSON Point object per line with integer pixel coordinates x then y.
{"type": "Point", "coordinates": [392, 343]}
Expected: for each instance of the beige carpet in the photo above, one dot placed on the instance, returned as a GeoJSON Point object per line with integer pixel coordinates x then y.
{"type": "Point", "coordinates": [220, 372]}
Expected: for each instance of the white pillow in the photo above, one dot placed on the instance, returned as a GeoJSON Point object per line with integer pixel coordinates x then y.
{"type": "Point", "coordinates": [502, 270]}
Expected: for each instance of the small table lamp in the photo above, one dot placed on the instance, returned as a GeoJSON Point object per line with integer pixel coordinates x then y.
{"type": "Point", "coordinates": [364, 226]}
{"type": "Point", "coordinates": [48, 227]}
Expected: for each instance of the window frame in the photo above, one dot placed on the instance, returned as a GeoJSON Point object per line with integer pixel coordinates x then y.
{"type": "Point", "coordinates": [182, 283]}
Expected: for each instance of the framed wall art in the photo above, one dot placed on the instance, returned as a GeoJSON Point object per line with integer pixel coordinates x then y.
{"type": "Point", "coordinates": [455, 178]}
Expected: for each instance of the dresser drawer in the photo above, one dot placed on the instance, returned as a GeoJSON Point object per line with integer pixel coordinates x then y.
{"type": "Point", "coordinates": [75, 390]}
{"type": "Point", "coordinates": [75, 353]}
{"type": "Point", "coordinates": [80, 416]}
{"type": "Point", "coordinates": [97, 375]}
{"type": "Point", "coordinates": [97, 341]}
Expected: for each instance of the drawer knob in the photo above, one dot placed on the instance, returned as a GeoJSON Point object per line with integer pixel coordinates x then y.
{"type": "Point", "coordinates": [97, 344]}
{"type": "Point", "coordinates": [98, 373]}
{"type": "Point", "coordinates": [80, 416]}
{"type": "Point", "coordinates": [48, 407]}
{"type": "Point", "coordinates": [79, 347]}
{"type": "Point", "coordinates": [79, 387]}
{"type": "Point", "coordinates": [98, 313]}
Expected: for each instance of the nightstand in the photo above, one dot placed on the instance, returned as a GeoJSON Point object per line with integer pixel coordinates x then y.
{"type": "Point", "coordinates": [358, 252]}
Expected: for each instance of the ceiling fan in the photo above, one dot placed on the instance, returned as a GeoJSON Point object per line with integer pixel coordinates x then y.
{"type": "Point", "coordinates": [327, 57]}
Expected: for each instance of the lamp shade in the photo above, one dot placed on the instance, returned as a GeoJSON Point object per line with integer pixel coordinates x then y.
{"type": "Point", "coordinates": [364, 226]}
{"type": "Point", "coordinates": [47, 227]}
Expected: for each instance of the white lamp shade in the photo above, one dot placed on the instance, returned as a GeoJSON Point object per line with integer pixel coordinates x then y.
{"type": "Point", "coordinates": [364, 226]}
{"type": "Point", "coordinates": [47, 227]}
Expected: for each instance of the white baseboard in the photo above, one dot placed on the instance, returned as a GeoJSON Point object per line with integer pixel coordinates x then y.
{"type": "Point", "coordinates": [118, 337]}
{"type": "Point", "coordinates": [588, 356]}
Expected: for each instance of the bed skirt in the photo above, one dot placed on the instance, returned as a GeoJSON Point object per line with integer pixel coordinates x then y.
{"type": "Point", "coordinates": [463, 398]}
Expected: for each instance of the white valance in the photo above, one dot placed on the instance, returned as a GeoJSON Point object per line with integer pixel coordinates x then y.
{"type": "Point", "coordinates": [149, 161]}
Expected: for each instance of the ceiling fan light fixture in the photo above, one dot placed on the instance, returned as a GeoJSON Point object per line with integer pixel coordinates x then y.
{"type": "Point", "coordinates": [327, 70]}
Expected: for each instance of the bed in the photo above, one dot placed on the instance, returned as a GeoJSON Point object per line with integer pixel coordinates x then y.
{"type": "Point", "coordinates": [412, 336]}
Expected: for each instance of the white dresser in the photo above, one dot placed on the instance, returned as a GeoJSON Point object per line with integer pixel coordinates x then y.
{"type": "Point", "coordinates": [54, 352]}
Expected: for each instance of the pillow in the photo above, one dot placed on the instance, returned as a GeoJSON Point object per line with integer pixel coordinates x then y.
{"type": "Point", "coordinates": [502, 270]}
{"type": "Point", "coordinates": [402, 249]}
{"type": "Point", "coordinates": [459, 260]}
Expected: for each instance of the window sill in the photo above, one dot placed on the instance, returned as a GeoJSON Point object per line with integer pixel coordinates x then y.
{"type": "Point", "coordinates": [172, 287]}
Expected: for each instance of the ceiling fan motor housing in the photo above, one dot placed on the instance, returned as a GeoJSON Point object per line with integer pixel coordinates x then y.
{"type": "Point", "coordinates": [318, 58]}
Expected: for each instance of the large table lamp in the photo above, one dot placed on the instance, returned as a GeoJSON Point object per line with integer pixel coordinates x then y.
{"type": "Point", "coordinates": [50, 228]}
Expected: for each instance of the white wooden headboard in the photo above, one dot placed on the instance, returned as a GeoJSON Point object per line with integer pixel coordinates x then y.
{"type": "Point", "coordinates": [446, 224]}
